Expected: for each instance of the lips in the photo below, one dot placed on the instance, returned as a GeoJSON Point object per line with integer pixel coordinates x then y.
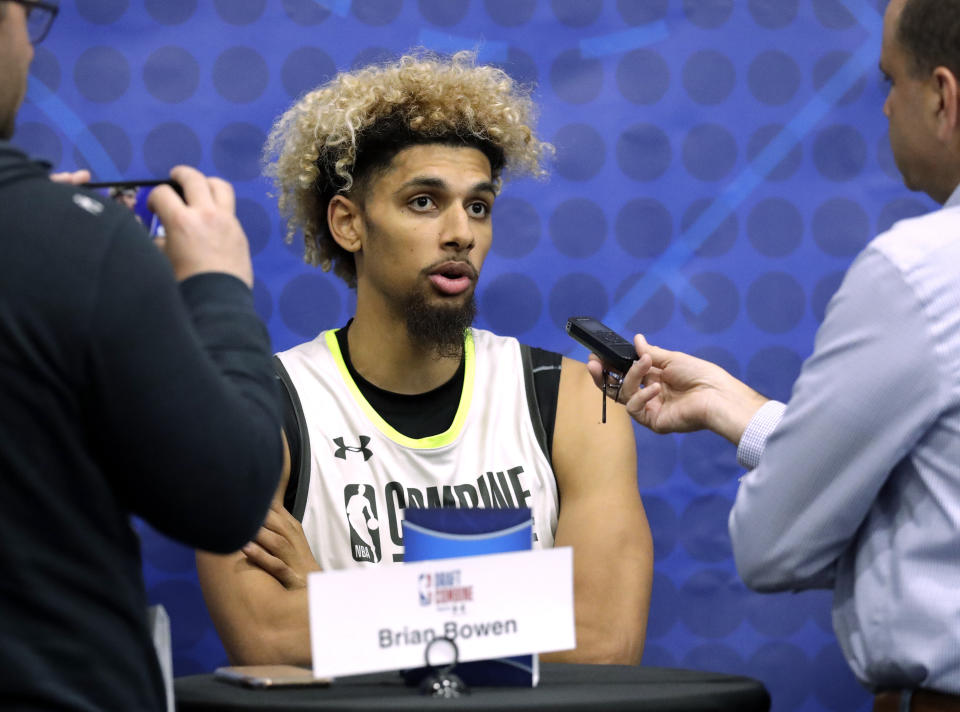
{"type": "Point", "coordinates": [453, 278]}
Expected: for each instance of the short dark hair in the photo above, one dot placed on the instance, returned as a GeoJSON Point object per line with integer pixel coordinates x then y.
{"type": "Point", "coordinates": [930, 32]}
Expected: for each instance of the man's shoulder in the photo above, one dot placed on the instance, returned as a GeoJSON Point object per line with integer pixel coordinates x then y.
{"type": "Point", "coordinates": [912, 242]}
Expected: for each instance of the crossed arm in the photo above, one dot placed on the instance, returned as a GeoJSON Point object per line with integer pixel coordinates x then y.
{"type": "Point", "coordinates": [258, 600]}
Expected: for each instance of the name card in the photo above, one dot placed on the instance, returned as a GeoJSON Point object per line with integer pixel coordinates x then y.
{"type": "Point", "coordinates": [496, 605]}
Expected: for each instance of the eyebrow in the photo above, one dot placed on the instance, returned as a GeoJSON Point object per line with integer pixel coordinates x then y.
{"type": "Point", "coordinates": [440, 184]}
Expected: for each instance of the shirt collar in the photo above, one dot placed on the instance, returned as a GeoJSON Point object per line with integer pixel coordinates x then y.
{"type": "Point", "coordinates": [954, 199]}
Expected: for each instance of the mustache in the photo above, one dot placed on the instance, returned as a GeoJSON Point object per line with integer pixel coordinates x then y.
{"type": "Point", "coordinates": [465, 264]}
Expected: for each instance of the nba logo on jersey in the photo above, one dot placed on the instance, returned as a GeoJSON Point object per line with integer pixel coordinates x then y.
{"type": "Point", "coordinates": [361, 505]}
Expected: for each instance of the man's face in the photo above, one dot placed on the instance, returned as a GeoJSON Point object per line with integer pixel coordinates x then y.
{"type": "Point", "coordinates": [16, 53]}
{"type": "Point", "coordinates": [426, 232]}
{"type": "Point", "coordinates": [910, 113]}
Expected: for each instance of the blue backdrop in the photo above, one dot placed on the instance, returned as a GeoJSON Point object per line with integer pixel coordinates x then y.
{"type": "Point", "coordinates": [719, 164]}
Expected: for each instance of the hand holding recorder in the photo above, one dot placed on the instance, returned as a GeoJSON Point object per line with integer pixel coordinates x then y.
{"type": "Point", "coordinates": [673, 392]}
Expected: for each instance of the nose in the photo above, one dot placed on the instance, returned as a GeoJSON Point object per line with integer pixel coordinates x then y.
{"type": "Point", "coordinates": [458, 229]}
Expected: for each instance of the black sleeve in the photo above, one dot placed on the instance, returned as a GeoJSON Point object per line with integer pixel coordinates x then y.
{"type": "Point", "coordinates": [184, 404]}
{"type": "Point", "coordinates": [298, 444]}
{"type": "Point", "coordinates": [542, 377]}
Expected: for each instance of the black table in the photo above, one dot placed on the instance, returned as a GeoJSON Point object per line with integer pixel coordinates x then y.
{"type": "Point", "coordinates": [591, 688]}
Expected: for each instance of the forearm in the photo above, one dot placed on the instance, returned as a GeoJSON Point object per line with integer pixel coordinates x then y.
{"type": "Point", "coordinates": [259, 621]}
{"type": "Point", "coordinates": [611, 583]}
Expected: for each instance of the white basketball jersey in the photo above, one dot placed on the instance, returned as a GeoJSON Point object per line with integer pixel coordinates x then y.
{"type": "Point", "coordinates": [363, 473]}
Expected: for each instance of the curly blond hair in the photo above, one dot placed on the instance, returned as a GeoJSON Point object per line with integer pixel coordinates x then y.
{"type": "Point", "coordinates": [313, 149]}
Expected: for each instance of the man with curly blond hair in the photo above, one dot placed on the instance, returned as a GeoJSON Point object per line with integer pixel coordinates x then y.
{"type": "Point", "coordinates": [390, 173]}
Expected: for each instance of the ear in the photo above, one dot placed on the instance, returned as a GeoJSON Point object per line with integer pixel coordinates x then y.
{"type": "Point", "coordinates": [345, 222]}
{"type": "Point", "coordinates": [948, 112]}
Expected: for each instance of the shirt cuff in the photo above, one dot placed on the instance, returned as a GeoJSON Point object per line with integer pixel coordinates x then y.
{"type": "Point", "coordinates": [754, 438]}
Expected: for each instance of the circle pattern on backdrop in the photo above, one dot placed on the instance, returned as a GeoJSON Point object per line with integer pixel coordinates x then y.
{"type": "Point", "coordinates": [510, 13]}
{"type": "Point", "coordinates": [839, 153]}
{"type": "Point", "coordinates": [644, 152]}
{"type": "Point", "coordinates": [709, 152]}
{"type": "Point", "coordinates": [309, 303]}
{"type": "Point", "coordinates": [775, 227]}
{"type": "Point", "coordinates": [833, 15]}
{"type": "Point", "coordinates": [641, 13]}
{"type": "Point", "coordinates": [656, 457]}
{"type": "Point", "coordinates": [580, 152]}
{"type": "Point", "coordinates": [775, 302]}
{"type": "Point", "coordinates": [644, 227]}
{"type": "Point", "coordinates": [773, 370]}
{"type": "Point", "coordinates": [39, 139]}
{"type": "Point", "coordinates": [840, 227]}
{"type": "Point", "coordinates": [307, 68]}
{"type": "Point", "coordinates": [171, 12]}
{"type": "Point", "coordinates": [827, 66]}
{"type": "Point", "coordinates": [578, 227]}
{"type": "Point", "coordinates": [723, 237]}
{"type": "Point", "coordinates": [516, 228]}
{"type": "Point", "coordinates": [305, 12]}
{"type": "Point", "coordinates": [102, 12]}
{"type": "Point", "coordinates": [577, 293]}
{"type": "Point", "coordinates": [102, 74]}
{"type": "Point", "coordinates": [240, 74]}
{"type": "Point", "coordinates": [664, 525]}
{"type": "Point", "coordinates": [575, 78]}
{"type": "Point", "coordinates": [709, 77]}
{"type": "Point", "coordinates": [240, 12]}
{"type": "Point", "coordinates": [171, 74]}
{"type": "Point", "coordinates": [576, 13]}
{"type": "Point", "coordinates": [708, 15]}
{"type": "Point", "coordinates": [168, 145]}
{"type": "Point", "coordinates": [773, 15]}
{"type": "Point", "coordinates": [655, 72]}
{"type": "Point", "coordinates": [512, 303]}
{"type": "Point", "coordinates": [723, 303]}
{"type": "Point", "coordinates": [761, 139]}
{"type": "Point", "coordinates": [707, 459]}
{"type": "Point", "coordinates": [773, 77]}
{"type": "Point", "coordinates": [709, 603]}
{"type": "Point", "coordinates": [45, 68]}
{"type": "Point", "coordinates": [651, 316]}
{"type": "Point", "coordinates": [236, 151]}
{"type": "Point", "coordinates": [823, 291]}
{"type": "Point", "coordinates": [704, 527]}
{"type": "Point", "coordinates": [443, 13]}
{"type": "Point", "coordinates": [114, 140]}
{"type": "Point", "coordinates": [376, 13]}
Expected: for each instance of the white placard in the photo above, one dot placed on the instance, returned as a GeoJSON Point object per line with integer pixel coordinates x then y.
{"type": "Point", "coordinates": [496, 605]}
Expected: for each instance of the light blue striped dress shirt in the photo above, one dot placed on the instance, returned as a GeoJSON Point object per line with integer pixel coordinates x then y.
{"type": "Point", "coordinates": [855, 484]}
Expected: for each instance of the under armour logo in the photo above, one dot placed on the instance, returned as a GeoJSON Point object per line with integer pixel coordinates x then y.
{"type": "Point", "coordinates": [342, 449]}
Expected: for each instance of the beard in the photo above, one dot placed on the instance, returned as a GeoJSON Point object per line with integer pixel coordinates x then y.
{"type": "Point", "coordinates": [439, 328]}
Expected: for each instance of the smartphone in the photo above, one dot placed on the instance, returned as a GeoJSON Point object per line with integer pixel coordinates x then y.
{"type": "Point", "coordinates": [137, 184]}
{"type": "Point", "coordinates": [269, 676]}
{"type": "Point", "coordinates": [615, 351]}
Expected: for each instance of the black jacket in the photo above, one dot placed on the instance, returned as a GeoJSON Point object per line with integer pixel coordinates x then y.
{"type": "Point", "coordinates": [120, 392]}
